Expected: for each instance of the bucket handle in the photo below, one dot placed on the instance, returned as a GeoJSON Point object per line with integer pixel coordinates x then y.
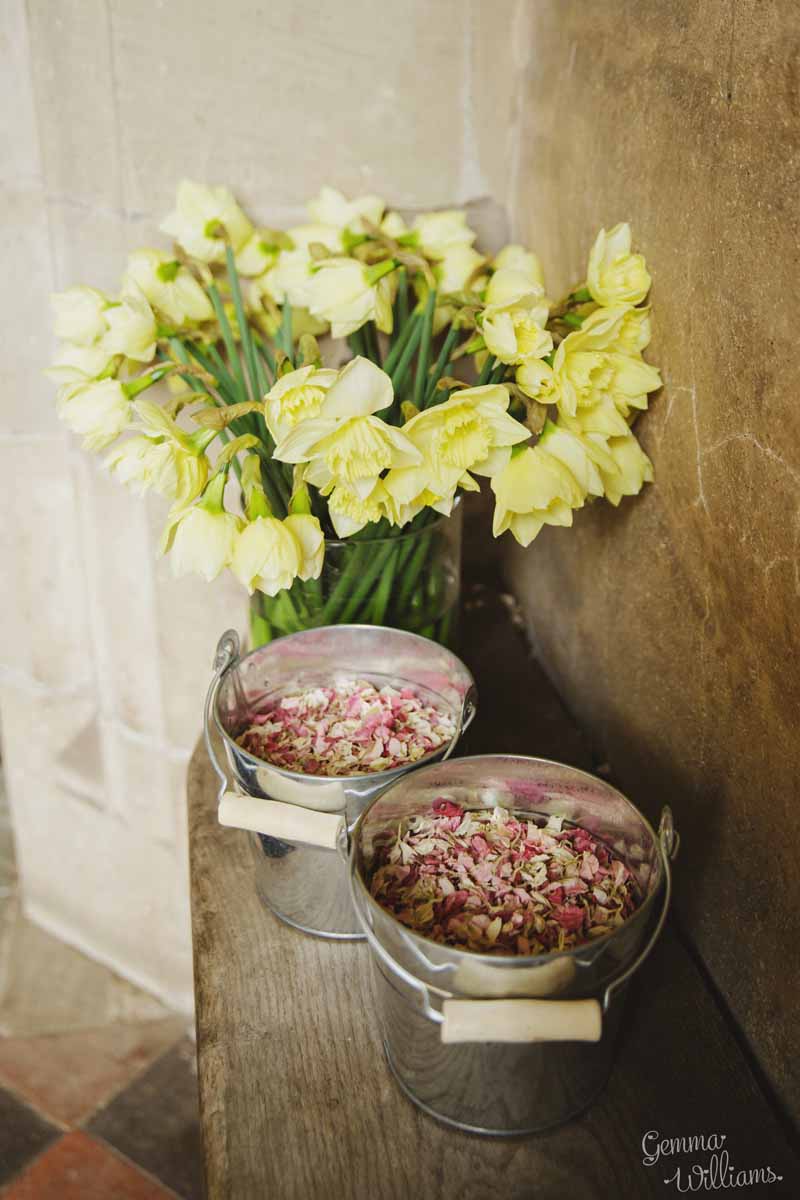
{"type": "Point", "coordinates": [469, 706]}
{"type": "Point", "coordinates": [529, 1020]}
{"type": "Point", "coordinates": [287, 822]}
{"type": "Point", "coordinates": [225, 655]}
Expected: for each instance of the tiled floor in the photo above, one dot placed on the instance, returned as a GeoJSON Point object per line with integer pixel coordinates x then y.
{"type": "Point", "coordinates": [98, 1088]}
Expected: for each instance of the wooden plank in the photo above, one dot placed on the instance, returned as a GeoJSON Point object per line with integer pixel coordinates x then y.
{"type": "Point", "coordinates": [297, 1101]}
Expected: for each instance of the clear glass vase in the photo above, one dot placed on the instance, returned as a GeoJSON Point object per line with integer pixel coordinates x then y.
{"type": "Point", "coordinates": [409, 581]}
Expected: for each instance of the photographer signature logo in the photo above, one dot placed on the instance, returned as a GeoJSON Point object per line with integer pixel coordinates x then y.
{"type": "Point", "coordinates": [715, 1174]}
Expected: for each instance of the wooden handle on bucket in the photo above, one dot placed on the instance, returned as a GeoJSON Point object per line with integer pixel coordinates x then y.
{"type": "Point", "coordinates": [521, 1021]}
{"type": "Point", "coordinates": [288, 822]}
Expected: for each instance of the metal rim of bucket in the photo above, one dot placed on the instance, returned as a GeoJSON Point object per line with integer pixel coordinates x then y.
{"type": "Point", "coordinates": [228, 657]}
{"type": "Point", "coordinates": [507, 960]}
{"type": "Point", "coordinates": [666, 843]}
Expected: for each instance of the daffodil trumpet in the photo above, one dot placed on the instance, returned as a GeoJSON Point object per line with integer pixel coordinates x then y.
{"type": "Point", "coordinates": [351, 455]}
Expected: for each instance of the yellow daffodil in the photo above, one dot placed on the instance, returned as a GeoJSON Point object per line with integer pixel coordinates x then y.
{"type": "Point", "coordinates": [97, 410]}
{"type": "Point", "coordinates": [603, 417]}
{"type": "Point", "coordinates": [614, 275]}
{"type": "Point", "coordinates": [458, 264]}
{"type": "Point", "coordinates": [334, 209]}
{"type": "Point", "coordinates": [80, 315]}
{"type": "Point", "coordinates": [131, 329]}
{"type": "Point", "coordinates": [632, 467]}
{"type": "Point", "coordinates": [204, 219]}
{"type": "Point", "coordinates": [311, 542]}
{"type": "Point", "coordinates": [80, 364]}
{"type": "Point", "coordinates": [162, 456]}
{"type": "Point", "coordinates": [346, 294]}
{"type": "Point", "coordinates": [346, 443]}
{"type": "Point", "coordinates": [438, 232]}
{"type": "Point", "coordinates": [256, 256]}
{"type": "Point", "coordinates": [350, 512]}
{"type": "Point", "coordinates": [578, 454]}
{"type": "Point", "coordinates": [171, 289]}
{"type": "Point", "coordinates": [145, 464]}
{"type": "Point", "coordinates": [524, 262]}
{"type": "Point", "coordinates": [202, 537]}
{"type": "Point", "coordinates": [635, 331]}
{"type": "Point", "coordinates": [631, 381]}
{"type": "Point", "coordinates": [290, 277]}
{"type": "Point", "coordinates": [296, 397]}
{"type": "Point", "coordinates": [598, 360]}
{"type": "Point", "coordinates": [537, 379]}
{"type": "Point", "coordinates": [533, 490]}
{"type": "Point", "coordinates": [472, 431]}
{"type": "Point", "coordinates": [514, 319]}
{"type": "Point", "coordinates": [394, 226]}
{"type": "Point", "coordinates": [266, 556]}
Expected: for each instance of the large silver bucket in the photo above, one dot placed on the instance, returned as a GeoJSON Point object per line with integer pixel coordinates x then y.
{"type": "Point", "coordinates": [300, 823]}
{"type": "Point", "coordinates": [509, 1045]}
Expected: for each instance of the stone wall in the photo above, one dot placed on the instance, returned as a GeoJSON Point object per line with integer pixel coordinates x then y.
{"type": "Point", "coordinates": [671, 624]}
{"type": "Point", "coordinates": [668, 624]}
{"type": "Point", "coordinates": [106, 105]}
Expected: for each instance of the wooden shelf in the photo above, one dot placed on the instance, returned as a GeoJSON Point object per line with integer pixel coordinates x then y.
{"type": "Point", "coordinates": [296, 1099]}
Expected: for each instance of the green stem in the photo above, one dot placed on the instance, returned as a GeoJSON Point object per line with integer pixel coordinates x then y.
{"type": "Point", "coordinates": [372, 346]}
{"type": "Point", "coordinates": [401, 303]}
{"type": "Point", "coordinates": [441, 365]}
{"type": "Point", "coordinates": [260, 631]}
{"type": "Point", "coordinates": [411, 574]}
{"type": "Point", "coordinates": [229, 340]}
{"type": "Point", "coordinates": [400, 343]}
{"type": "Point", "coordinates": [286, 330]}
{"type": "Point", "coordinates": [384, 589]}
{"type": "Point", "coordinates": [215, 364]}
{"type": "Point", "coordinates": [498, 373]}
{"type": "Point", "coordinates": [488, 367]}
{"type": "Point", "coordinates": [402, 368]}
{"type": "Point", "coordinates": [343, 588]}
{"type": "Point", "coordinates": [423, 361]}
{"type": "Point", "coordinates": [244, 328]}
{"type": "Point", "coordinates": [274, 484]}
{"type": "Point", "coordinates": [368, 576]}
{"type": "Point", "coordinates": [445, 626]}
{"type": "Point", "coordinates": [285, 613]}
{"type": "Point", "coordinates": [266, 354]}
{"type": "Point", "coordinates": [356, 343]}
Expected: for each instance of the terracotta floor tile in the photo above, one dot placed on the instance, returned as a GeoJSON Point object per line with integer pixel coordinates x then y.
{"type": "Point", "coordinates": [155, 1122]}
{"type": "Point", "coordinates": [23, 1135]}
{"type": "Point", "coordinates": [68, 1076]}
{"type": "Point", "coordinates": [79, 1168]}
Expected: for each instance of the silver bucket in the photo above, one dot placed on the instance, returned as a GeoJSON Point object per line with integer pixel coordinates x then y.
{"type": "Point", "coordinates": [509, 1045]}
{"type": "Point", "coordinates": [300, 823]}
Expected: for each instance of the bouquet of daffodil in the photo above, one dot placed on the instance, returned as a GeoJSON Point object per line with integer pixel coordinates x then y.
{"type": "Point", "coordinates": [348, 475]}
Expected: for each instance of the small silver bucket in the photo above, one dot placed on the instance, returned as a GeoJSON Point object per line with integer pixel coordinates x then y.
{"type": "Point", "coordinates": [509, 1045]}
{"type": "Point", "coordinates": [300, 823]}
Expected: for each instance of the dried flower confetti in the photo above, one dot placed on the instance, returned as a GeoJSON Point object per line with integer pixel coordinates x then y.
{"type": "Point", "coordinates": [492, 882]}
{"type": "Point", "coordinates": [351, 728]}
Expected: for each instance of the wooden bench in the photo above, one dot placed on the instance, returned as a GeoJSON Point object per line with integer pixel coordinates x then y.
{"type": "Point", "coordinates": [296, 1099]}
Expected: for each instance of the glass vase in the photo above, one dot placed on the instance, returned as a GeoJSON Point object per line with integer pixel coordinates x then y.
{"type": "Point", "coordinates": [409, 581]}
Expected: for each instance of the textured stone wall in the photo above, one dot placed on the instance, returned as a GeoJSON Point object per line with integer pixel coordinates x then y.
{"type": "Point", "coordinates": [106, 104]}
{"type": "Point", "coordinates": [671, 624]}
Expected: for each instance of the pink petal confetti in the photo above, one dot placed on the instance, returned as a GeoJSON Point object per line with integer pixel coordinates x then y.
{"type": "Point", "coordinates": [350, 728]}
{"type": "Point", "coordinates": [491, 882]}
